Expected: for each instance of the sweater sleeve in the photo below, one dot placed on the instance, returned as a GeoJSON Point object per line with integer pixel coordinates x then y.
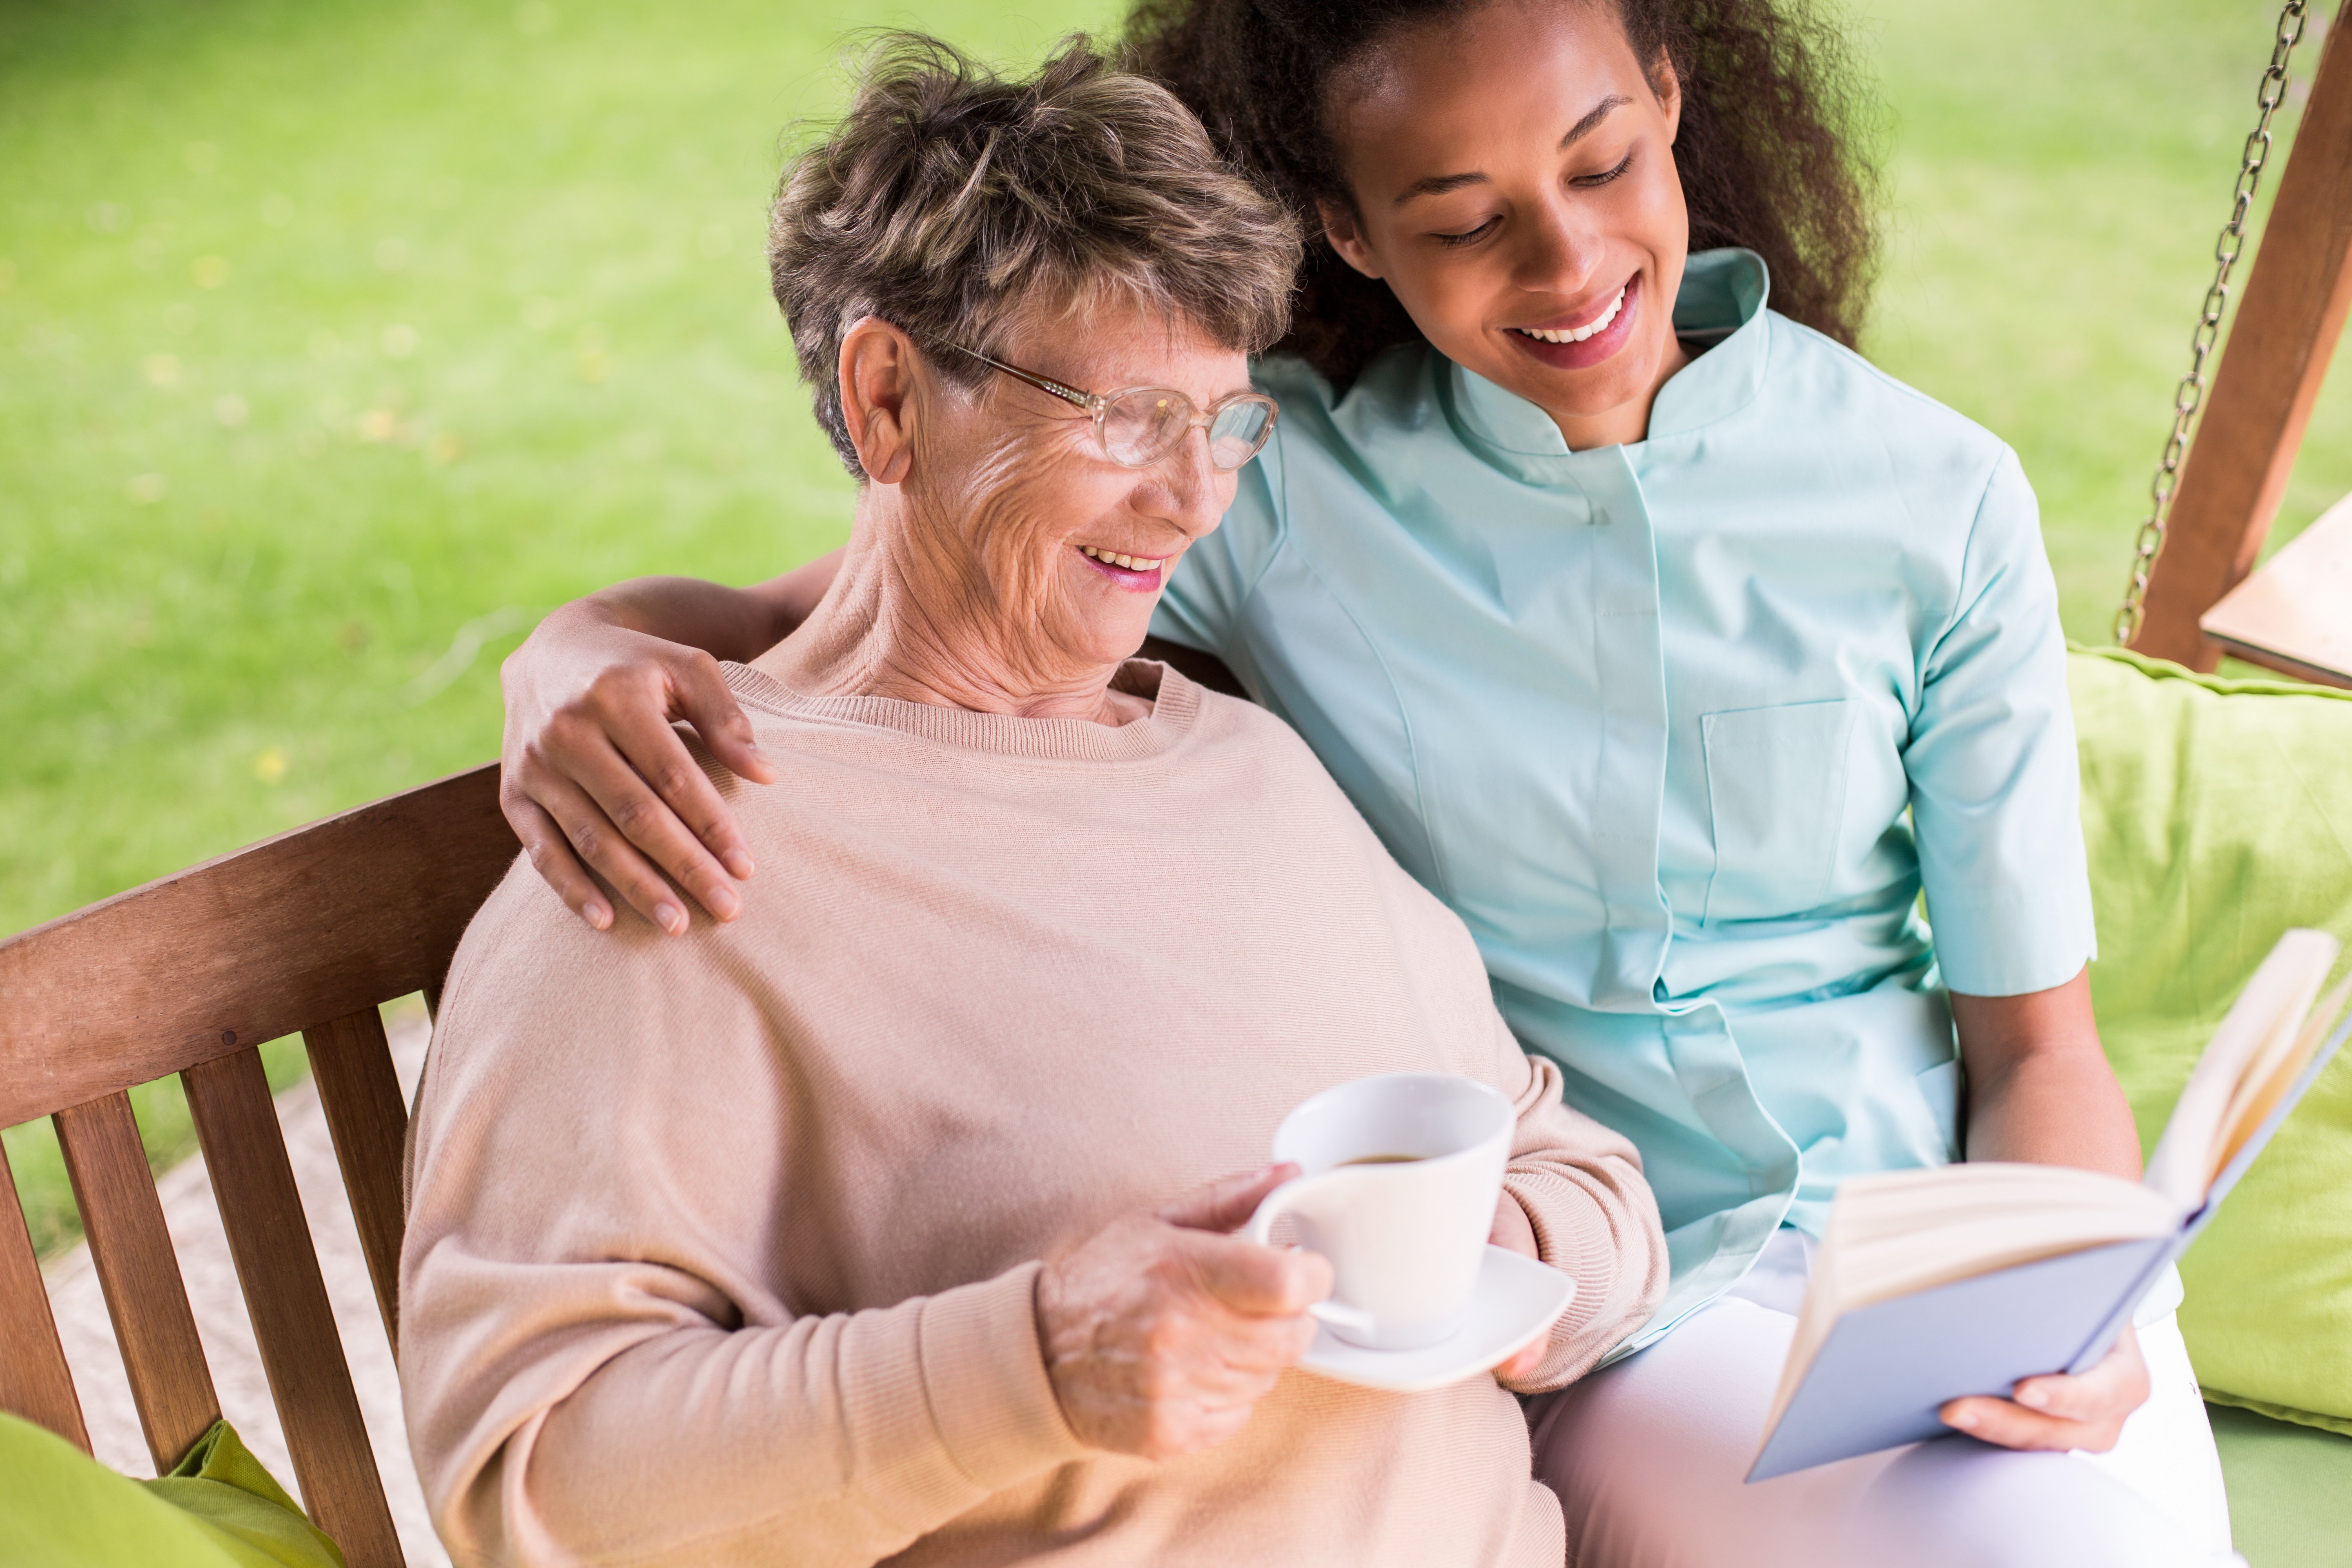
{"type": "Point", "coordinates": [1594, 1218]}
{"type": "Point", "coordinates": [594, 1368]}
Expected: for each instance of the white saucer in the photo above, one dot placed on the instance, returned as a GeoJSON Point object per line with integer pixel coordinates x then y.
{"type": "Point", "coordinates": [1517, 1299]}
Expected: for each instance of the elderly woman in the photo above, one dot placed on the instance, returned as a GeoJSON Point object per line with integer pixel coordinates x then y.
{"type": "Point", "coordinates": [887, 1220]}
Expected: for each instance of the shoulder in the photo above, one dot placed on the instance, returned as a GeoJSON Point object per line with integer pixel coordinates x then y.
{"type": "Point", "coordinates": [552, 1035]}
{"type": "Point", "coordinates": [1397, 394]}
{"type": "Point", "coordinates": [1328, 457]}
{"type": "Point", "coordinates": [1806, 363]}
{"type": "Point", "coordinates": [1242, 729]}
{"type": "Point", "coordinates": [1255, 768]}
{"type": "Point", "coordinates": [530, 975]}
{"type": "Point", "coordinates": [1253, 763]}
{"type": "Point", "coordinates": [1950, 493]}
{"type": "Point", "coordinates": [1814, 378]}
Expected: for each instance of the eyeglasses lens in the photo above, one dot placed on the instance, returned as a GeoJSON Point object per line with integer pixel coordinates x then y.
{"type": "Point", "coordinates": [1139, 427]}
{"type": "Point", "coordinates": [1144, 425]}
{"type": "Point", "coordinates": [1237, 432]}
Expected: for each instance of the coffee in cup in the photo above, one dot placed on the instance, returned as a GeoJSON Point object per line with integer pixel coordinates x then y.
{"type": "Point", "coordinates": [1400, 1177]}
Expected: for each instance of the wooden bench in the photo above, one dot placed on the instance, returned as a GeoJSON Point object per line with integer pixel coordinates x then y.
{"type": "Point", "coordinates": [307, 932]}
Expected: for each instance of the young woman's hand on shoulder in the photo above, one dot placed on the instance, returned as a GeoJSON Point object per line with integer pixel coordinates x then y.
{"type": "Point", "coordinates": [593, 777]}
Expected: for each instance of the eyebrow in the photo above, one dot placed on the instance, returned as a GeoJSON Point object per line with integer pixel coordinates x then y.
{"type": "Point", "coordinates": [1438, 184]}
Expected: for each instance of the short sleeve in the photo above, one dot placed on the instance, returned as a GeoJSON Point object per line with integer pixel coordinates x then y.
{"type": "Point", "coordinates": [1995, 792]}
{"type": "Point", "coordinates": [1201, 607]}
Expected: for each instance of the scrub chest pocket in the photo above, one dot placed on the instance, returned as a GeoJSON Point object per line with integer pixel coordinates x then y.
{"type": "Point", "coordinates": [1776, 782]}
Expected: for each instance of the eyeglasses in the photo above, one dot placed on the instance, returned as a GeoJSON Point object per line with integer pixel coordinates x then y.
{"type": "Point", "coordinates": [1137, 427]}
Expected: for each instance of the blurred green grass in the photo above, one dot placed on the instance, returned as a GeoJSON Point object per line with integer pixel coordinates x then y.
{"type": "Point", "coordinates": [338, 343]}
{"type": "Point", "coordinates": [2059, 175]}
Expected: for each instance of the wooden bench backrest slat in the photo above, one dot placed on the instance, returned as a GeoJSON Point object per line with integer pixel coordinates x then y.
{"type": "Point", "coordinates": [35, 1382]}
{"type": "Point", "coordinates": [270, 1240]}
{"type": "Point", "coordinates": [351, 1061]}
{"type": "Point", "coordinates": [141, 1275]}
{"type": "Point", "coordinates": [317, 924]}
{"type": "Point", "coordinates": [187, 975]}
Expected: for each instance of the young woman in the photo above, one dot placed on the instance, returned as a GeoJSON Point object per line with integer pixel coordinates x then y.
{"type": "Point", "coordinates": [1675, 647]}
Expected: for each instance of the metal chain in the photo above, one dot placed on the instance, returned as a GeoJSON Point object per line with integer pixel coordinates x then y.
{"type": "Point", "coordinates": [2191, 394]}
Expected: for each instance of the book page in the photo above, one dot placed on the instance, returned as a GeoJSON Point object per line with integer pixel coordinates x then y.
{"type": "Point", "coordinates": [2263, 1092]}
{"type": "Point", "coordinates": [1910, 1231]}
{"type": "Point", "coordinates": [2274, 1003]}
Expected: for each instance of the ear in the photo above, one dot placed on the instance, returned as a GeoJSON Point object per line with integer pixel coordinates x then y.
{"type": "Point", "coordinates": [1667, 88]}
{"type": "Point", "coordinates": [880, 370]}
{"type": "Point", "coordinates": [1347, 235]}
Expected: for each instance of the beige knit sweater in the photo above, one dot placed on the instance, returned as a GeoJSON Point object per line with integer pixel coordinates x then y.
{"type": "Point", "coordinates": [723, 1247]}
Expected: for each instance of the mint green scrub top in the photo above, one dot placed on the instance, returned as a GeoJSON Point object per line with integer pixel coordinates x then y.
{"type": "Point", "coordinates": [1682, 729]}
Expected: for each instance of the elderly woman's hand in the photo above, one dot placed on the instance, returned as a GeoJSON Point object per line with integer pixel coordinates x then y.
{"type": "Point", "coordinates": [1163, 1330]}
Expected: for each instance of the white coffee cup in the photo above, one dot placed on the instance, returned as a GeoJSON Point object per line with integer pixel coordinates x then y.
{"type": "Point", "coordinates": [1405, 1235]}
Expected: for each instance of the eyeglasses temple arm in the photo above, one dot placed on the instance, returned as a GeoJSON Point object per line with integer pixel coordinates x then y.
{"type": "Point", "coordinates": [1068, 395]}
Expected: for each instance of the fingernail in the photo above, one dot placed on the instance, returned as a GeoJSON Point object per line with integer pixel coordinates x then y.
{"type": "Point", "coordinates": [1966, 1420]}
{"type": "Point", "coordinates": [2034, 1397]}
{"type": "Point", "coordinates": [723, 903]}
{"type": "Point", "coordinates": [738, 864]}
{"type": "Point", "coordinates": [596, 915]}
{"type": "Point", "coordinates": [670, 918]}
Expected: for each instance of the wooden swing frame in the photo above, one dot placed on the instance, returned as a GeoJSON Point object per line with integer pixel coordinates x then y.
{"type": "Point", "coordinates": [2276, 358]}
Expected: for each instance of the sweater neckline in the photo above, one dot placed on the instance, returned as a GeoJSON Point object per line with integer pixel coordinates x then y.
{"type": "Point", "coordinates": [1175, 704]}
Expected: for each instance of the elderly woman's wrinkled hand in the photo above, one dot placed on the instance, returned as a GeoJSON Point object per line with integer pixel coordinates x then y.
{"type": "Point", "coordinates": [1163, 1330]}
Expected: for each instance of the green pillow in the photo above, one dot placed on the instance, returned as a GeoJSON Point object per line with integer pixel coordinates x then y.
{"type": "Point", "coordinates": [2217, 814]}
{"type": "Point", "coordinates": [217, 1509]}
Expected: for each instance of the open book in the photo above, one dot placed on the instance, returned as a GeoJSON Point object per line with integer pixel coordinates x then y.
{"type": "Point", "coordinates": [1967, 1278]}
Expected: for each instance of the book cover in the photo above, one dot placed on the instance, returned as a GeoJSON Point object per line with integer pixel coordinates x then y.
{"type": "Point", "coordinates": [1879, 1377]}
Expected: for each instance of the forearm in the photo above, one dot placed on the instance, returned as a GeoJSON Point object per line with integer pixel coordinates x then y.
{"type": "Point", "coordinates": [2039, 1089]}
{"type": "Point", "coordinates": [839, 1440]}
{"type": "Point", "coordinates": [2057, 1109]}
{"type": "Point", "coordinates": [738, 624]}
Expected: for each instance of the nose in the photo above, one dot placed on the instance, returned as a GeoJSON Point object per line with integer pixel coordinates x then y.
{"type": "Point", "coordinates": [1556, 253]}
{"type": "Point", "coordinates": [1185, 488]}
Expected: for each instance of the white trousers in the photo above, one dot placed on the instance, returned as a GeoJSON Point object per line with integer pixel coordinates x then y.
{"type": "Point", "coordinates": [1647, 1455]}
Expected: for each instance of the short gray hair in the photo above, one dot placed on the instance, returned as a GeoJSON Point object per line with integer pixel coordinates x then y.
{"type": "Point", "coordinates": [951, 203]}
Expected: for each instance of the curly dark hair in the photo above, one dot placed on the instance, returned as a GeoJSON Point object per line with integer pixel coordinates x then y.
{"type": "Point", "coordinates": [1768, 150]}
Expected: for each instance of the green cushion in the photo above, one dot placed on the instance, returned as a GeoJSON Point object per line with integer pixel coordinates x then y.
{"type": "Point", "coordinates": [217, 1509]}
{"type": "Point", "coordinates": [2290, 1491]}
{"type": "Point", "coordinates": [2219, 814]}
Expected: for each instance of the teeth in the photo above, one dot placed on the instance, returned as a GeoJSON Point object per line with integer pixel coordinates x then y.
{"type": "Point", "coordinates": [1131, 563]}
{"type": "Point", "coordinates": [1577, 335]}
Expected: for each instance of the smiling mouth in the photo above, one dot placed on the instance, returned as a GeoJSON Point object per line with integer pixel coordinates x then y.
{"type": "Point", "coordinates": [1592, 328]}
{"type": "Point", "coordinates": [1141, 573]}
{"type": "Point", "coordinates": [1124, 562]}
